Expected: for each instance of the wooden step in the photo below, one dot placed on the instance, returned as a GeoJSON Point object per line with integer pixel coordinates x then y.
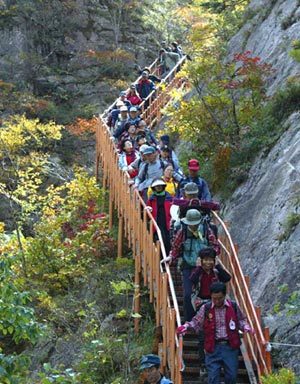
{"type": "Point", "coordinates": [191, 374]}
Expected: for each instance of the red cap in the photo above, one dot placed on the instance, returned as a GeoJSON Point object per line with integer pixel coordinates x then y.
{"type": "Point", "coordinates": [193, 165]}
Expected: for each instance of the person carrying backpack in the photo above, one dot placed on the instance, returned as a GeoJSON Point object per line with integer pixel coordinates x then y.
{"type": "Point", "coordinates": [221, 319]}
{"type": "Point", "coordinates": [149, 170]}
{"type": "Point", "coordinates": [191, 238]}
{"type": "Point", "coordinates": [203, 190]}
{"type": "Point", "coordinates": [206, 273]}
{"type": "Point", "coordinates": [190, 200]}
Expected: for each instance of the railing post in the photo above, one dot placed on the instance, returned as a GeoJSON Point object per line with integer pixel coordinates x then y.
{"type": "Point", "coordinates": [266, 332]}
{"type": "Point", "coordinates": [137, 297]}
{"type": "Point", "coordinates": [172, 341]}
{"type": "Point", "coordinates": [110, 212]}
{"type": "Point", "coordinates": [120, 235]}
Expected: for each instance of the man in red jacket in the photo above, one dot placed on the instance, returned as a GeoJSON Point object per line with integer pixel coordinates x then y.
{"type": "Point", "coordinates": [221, 319]}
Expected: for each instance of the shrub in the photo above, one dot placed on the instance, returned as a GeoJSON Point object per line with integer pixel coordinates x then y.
{"type": "Point", "coordinates": [286, 101]}
{"type": "Point", "coordinates": [283, 376]}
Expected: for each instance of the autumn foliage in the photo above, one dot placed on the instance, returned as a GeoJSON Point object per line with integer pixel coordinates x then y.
{"type": "Point", "coordinates": [82, 127]}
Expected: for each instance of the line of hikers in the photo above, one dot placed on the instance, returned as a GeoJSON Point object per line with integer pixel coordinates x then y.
{"type": "Point", "coordinates": [181, 205]}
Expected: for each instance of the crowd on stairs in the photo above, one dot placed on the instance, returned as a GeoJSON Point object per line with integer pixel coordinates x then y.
{"type": "Point", "coordinates": [181, 206]}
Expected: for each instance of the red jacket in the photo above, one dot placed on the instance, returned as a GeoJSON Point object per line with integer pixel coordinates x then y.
{"type": "Point", "coordinates": [134, 99]}
{"type": "Point", "coordinates": [152, 202]}
{"type": "Point", "coordinates": [209, 328]}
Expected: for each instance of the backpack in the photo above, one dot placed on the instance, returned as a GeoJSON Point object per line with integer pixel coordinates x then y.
{"type": "Point", "coordinates": [191, 247]}
{"type": "Point", "coordinates": [145, 172]}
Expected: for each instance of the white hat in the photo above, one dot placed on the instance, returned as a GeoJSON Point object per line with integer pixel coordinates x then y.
{"type": "Point", "coordinates": [157, 182]}
{"type": "Point", "coordinates": [123, 108]}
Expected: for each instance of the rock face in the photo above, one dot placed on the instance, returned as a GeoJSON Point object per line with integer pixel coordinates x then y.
{"type": "Point", "coordinates": [57, 58]}
{"type": "Point", "coordinates": [264, 212]}
{"type": "Point", "coordinates": [269, 30]}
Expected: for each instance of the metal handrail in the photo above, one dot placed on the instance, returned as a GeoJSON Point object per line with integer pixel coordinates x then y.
{"type": "Point", "coordinates": [240, 287]}
{"type": "Point", "coordinates": [169, 76]}
{"type": "Point", "coordinates": [152, 68]}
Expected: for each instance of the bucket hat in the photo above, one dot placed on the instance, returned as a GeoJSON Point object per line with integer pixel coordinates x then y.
{"type": "Point", "coordinates": [157, 182]}
{"type": "Point", "coordinates": [191, 188]}
{"type": "Point", "coordinates": [192, 217]}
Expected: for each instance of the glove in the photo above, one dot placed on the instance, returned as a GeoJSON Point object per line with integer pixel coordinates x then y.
{"type": "Point", "coordinates": [148, 208]}
{"type": "Point", "coordinates": [182, 329]}
{"type": "Point", "coordinates": [248, 329]}
{"type": "Point", "coordinates": [167, 259]}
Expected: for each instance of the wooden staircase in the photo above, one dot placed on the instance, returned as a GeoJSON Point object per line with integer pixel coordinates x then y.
{"type": "Point", "coordinates": [191, 373]}
{"type": "Point", "coordinates": [179, 354]}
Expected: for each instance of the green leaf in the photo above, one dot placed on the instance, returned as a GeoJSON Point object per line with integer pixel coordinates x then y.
{"type": "Point", "coordinates": [136, 315]}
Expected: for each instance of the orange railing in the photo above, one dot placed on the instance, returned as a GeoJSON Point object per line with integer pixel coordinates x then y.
{"type": "Point", "coordinates": [134, 220]}
{"type": "Point", "coordinates": [153, 68]}
{"type": "Point", "coordinates": [256, 346]}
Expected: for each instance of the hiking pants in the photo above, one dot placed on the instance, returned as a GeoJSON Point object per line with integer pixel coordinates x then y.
{"type": "Point", "coordinates": [223, 356]}
{"type": "Point", "coordinates": [188, 309]}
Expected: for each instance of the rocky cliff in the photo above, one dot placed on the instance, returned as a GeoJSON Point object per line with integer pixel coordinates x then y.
{"type": "Point", "coordinates": [265, 211]}
{"type": "Point", "coordinates": [269, 31]}
{"type": "Point", "coordinates": [77, 51]}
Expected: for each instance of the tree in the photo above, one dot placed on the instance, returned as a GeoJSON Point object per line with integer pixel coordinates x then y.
{"type": "Point", "coordinates": [118, 12]}
{"type": "Point", "coordinates": [23, 167]}
{"type": "Point", "coordinates": [167, 21]}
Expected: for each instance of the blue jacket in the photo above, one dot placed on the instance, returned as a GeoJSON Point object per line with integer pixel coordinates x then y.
{"type": "Point", "coordinates": [118, 132]}
{"type": "Point", "coordinates": [145, 87]}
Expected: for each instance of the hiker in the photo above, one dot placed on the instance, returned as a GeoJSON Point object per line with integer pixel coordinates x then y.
{"type": "Point", "coordinates": [121, 119]}
{"type": "Point", "coordinates": [207, 272]}
{"type": "Point", "coordinates": [203, 193]}
{"type": "Point", "coordinates": [159, 204]}
{"type": "Point", "coordinates": [166, 157]}
{"type": "Point", "coordinates": [168, 178]}
{"type": "Point", "coordinates": [145, 86]}
{"type": "Point", "coordinates": [171, 184]}
{"type": "Point", "coordinates": [133, 119]}
{"type": "Point", "coordinates": [188, 241]}
{"type": "Point", "coordinates": [139, 141]}
{"type": "Point", "coordinates": [221, 319]}
{"type": "Point", "coordinates": [149, 170]}
{"type": "Point", "coordinates": [136, 165]}
{"type": "Point", "coordinates": [175, 47]}
{"type": "Point", "coordinates": [150, 365]}
{"type": "Point", "coordinates": [113, 115]}
{"type": "Point", "coordinates": [128, 134]}
{"type": "Point", "coordinates": [133, 96]}
{"type": "Point", "coordinates": [167, 60]}
{"type": "Point", "coordinates": [122, 97]}
{"type": "Point", "coordinates": [151, 76]}
{"type": "Point", "coordinates": [164, 140]}
{"type": "Point", "coordinates": [190, 200]}
{"type": "Point", "coordinates": [143, 129]}
{"type": "Point", "coordinates": [127, 156]}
